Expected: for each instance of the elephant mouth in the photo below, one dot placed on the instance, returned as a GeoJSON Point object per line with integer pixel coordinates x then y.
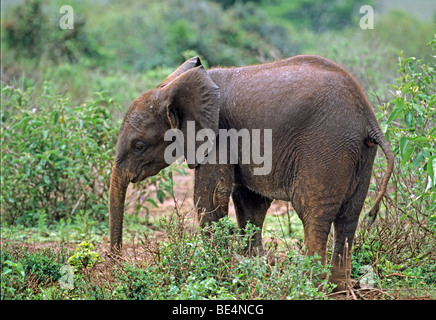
{"type": "Point", "coordinates": [145, 171]}
{"type": "Point", "coordinates": [141, 176]}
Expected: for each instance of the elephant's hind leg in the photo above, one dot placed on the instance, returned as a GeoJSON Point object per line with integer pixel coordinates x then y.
{"type": "Point", "coordinates": [318, 198]}
{"type": "Point", "coordinates": [317, 221]}
{"type": "Point", "coordinates": [344, 229]}
{"type": "Point", "coordinates": [250, 207]}
{"type": "Point", "coordinates": [345, 225]}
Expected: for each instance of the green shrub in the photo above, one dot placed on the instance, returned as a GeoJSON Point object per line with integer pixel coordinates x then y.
{"type": "Point", "coordinates": [56, 158]}
{"type": "Point", "coordinates": [212, 263]}
{"type": "Point", "coordinates": [153, 36]}
{"type": "Point", "coordinates": [139, 282]}
{"type": "Point", "coordinates": [43, 266]}
{"type": "Point", "coordinates": [408, 121]}
{"type": "Point", "coordinates": [12, 276]}
{"type": "Point", "coordinates": [26, 271]}
{"type": "Point", "coordinates": [33, 31]}
{"type": "Point", "coordinates": [24, 32]}
{"type": "Point", "coordinates": [316, 15]}
{"type": "Point", "coordinates": [402, 240]}
{"type": "Point", "coordinates": [84, 257]}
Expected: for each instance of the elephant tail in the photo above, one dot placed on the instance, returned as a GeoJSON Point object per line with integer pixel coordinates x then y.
{"type": "Point", "coordinates": [376, 137]}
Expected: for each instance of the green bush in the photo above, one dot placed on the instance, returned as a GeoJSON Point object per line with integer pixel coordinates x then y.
{"type": "Point", "coordinates": [56, 158]}
{"type": "Point", "coordinates": [402, 240]}
{"type": "Point", "coordinates": [316, 15]}
{"type": "Point", "coordinates": [33, 32]}
{"type": "Point", "coordinates": [408, 121]}
{"type": "Point", "coordinates": [42, 265]}
{"type": "Point", "coordinates": [153, 35]}
{"type": "Point", "coordinates": [24, 32]}
{"type": "Point", "coordinates": [212, 263]}
{"type": "Point", "coordinates": [139, 283]}
{"type": "Point", "coordinates": [12, 276]}
{"type": "Point", "coordinates": [25, 271]}
{"type": "Point", "coordinates": [84, 257]}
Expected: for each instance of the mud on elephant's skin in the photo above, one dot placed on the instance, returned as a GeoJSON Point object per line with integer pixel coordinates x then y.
{"type": "Point", "coordinates": [324, 137]}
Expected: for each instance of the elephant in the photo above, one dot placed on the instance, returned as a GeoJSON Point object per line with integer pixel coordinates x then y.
{"type": "Point", "coordinates": [324, 138]}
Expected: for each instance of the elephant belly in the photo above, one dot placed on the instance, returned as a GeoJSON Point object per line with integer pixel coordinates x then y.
{"type": "Point", "coordinates": [269, 186]}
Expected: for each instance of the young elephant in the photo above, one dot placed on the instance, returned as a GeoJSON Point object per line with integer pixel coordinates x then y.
{"type": "Point", "coordinates": [323, 140]}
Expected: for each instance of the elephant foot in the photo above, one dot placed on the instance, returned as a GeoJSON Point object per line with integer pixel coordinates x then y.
{"type": "Point", "coordinates": [340, 277]}
{"type": "Point", "coordinates": [254, 251]}
{"type": "Point", "coordinates": [341, 285]}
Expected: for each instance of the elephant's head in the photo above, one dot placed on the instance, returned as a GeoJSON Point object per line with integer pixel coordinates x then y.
{"type": "Point", "coordinates": [188, 94]}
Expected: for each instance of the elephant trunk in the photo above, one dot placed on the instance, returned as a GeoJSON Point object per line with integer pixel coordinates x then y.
{"type": "Point", "coordinates": [117, 195]}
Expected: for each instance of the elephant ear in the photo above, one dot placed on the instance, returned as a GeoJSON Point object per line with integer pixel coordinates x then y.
{"type": "Point", "coordinates": [188, 64]}
{"type": "Point", "coordinates": [192, 98]}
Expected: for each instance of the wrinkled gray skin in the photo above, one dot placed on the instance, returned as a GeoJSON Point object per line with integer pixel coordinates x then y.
{"type": "Point", "coordinates": [324, 141]}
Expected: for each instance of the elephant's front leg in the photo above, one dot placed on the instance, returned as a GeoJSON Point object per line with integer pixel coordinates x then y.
{"type": "Point", "coordinates": [251, 207]}
{"type": "Point", "coordinates": [213, 186]}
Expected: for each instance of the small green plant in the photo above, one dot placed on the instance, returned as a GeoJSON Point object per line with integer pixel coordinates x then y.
{"type": "Point", "coordinates": [27, 270]}
{"type": "Point", "coordinates": [42, 266]}
{"type": "Point", "coordinates": [84, 257]}
{"type": "Point", "coordinates": [11, 272]}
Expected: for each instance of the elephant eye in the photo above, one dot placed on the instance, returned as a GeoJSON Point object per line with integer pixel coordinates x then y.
{"type": "Point", "coordinates": [139, 146]}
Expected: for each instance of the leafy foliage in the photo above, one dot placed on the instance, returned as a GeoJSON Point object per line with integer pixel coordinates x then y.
{"type": "Point", "coordinates": [12, 274]}
{"type": "Point", "coordinates": [24, 270]}
{"type": "Point", "coordinates": [33, 34]}
{"type": "Point", "coordinates": [197, 27]}
{"type": "Point", "coordinates": [411, 130]}
{"type": "Point", "coordinates": [50, 167]}
{"type": "Point", "coordinates": [213, 264]}
{"type": "Point", "coordinates": [57, 160]}
{"type": "Point", "coordinates": [192, 264]}
{"type": "Point", "coordinates": [42, 266]}
{"type": "Point", "coordinates": [403, 240]}
{"type": "Point", "coordinates": [84, 257]}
